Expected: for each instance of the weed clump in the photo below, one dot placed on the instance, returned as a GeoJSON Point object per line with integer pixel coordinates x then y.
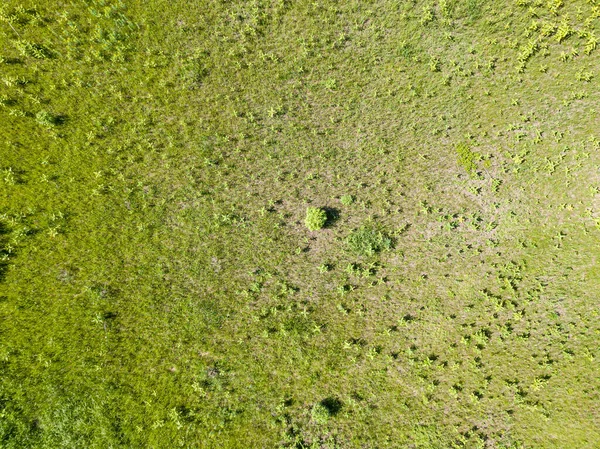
{"type": "Point", "coordinates": [325, 409]}
{"type": "Point", "coordinates": [32, 49]}
{"type": "Point", "coordinates": [315, 218]}
{"type": "Point", "coordinates": [47, 119]}
{"type": "Point", "coordinates": [467, 158]}
{"type": "Point", "coordinates": [347, 200]}
{"type": "Point", "coordinates": [367, 241]}
{"type": "Point", "coordinates": [319, 414]}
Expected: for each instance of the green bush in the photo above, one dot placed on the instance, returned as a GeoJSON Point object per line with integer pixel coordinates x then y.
{"type": "Point", "coordinates": [46, 118]}
{"type": "Point", "coordinates": [315, 218]}
{"type": "Point", "coordinates": [319, 414]}
{"type": "Point", "coordinates": [347, 200]}
{"type": "Point", "coordinates": [467, 158]}
{"type": "Point", "coordinates": [367, 241]}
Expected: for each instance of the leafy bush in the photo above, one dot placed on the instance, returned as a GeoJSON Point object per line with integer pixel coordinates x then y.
{"type": "Point", "coordinates": [32, 49]}
{"type": "Point", "coordinates": [325, 409]}
{"type": "Point", "coordinates": [315, 218]}
{"type": "Point", "coordinates": [319, 414]}
{"type": "Point", "coordinates": [467, 158]}
{"type": "Point", "coordinates": [347, 200]}
{"type": "Point", "coordinates": [367, 241]}
{"type": "Point", "coordinates": [45, 118]}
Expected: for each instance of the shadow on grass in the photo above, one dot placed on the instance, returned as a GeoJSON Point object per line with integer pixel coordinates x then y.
{"type": "Point", "coordinates": [333, 215]}
{"type": "Point", "coordinates": [333, 405]}
{"type": "Point", "coordinates": [3, 251]}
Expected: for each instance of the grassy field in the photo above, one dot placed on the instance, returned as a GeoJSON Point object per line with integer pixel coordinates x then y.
{"type": "Point", "coordinates": [162, 286]}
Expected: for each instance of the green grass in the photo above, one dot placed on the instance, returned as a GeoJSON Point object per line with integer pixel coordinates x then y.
{"type": "Point", "coordinates": [159, 287]}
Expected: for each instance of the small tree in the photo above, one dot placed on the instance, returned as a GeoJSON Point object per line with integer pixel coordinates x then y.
{"type": "Point", "coordinates": [315, 218]}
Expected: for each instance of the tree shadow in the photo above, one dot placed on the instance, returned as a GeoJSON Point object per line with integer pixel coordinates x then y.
{"type": "Point", "coordinates": [60, 119]}
{"type": "Point", "coordinates": [3, 268]}
{"type": "Point", "coordinates": [3, 251]}
{"type": "Point", "coordinates": [333, 405]}
{"type": "Point", "coordinates": [333, 215]}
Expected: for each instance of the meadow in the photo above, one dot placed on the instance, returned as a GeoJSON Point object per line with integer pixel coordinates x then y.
{"type": "Point", "coordinates": [279, 224]}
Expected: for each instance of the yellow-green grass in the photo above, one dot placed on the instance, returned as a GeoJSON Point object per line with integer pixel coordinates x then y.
{"type": "Point", "coordinates": [159, 287]}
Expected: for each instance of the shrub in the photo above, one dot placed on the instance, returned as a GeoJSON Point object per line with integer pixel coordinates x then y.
{"type": "Point", "coordinates": [32, 49]}
{"type": "Point", "coordinates": [347, 200]}
{"type": "Point", "coordinates": [325, 409]}
{"type": "Point", "coordinates": [315, 218]}
{"type": "Point", "coordinates": [319, 414]}
{"type": "Point", "coordinates": [367, 241]}
{"type": "Point", "coordinates": [467, 158]}
{"type": "Point", "coordinates": [45, 118]}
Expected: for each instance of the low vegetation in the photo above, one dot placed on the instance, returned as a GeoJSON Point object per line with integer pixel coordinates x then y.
{"type": "Point", "coordinates": [315, 218]}
{"type": "Point", "coordinates": [367, 241]}
{"type": "Point", "coordinates": [277, 224]}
